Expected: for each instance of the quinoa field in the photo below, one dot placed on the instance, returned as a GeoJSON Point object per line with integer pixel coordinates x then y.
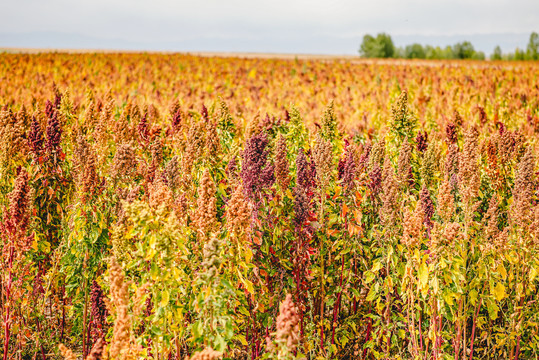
{"type": "Point", "coordinates": [173, 206]}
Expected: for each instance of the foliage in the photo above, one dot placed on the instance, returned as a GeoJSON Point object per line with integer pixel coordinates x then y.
{"type": "Point", "coordinates": [148, 210]}
{"type": "Point", "coordinates": [380, 46]}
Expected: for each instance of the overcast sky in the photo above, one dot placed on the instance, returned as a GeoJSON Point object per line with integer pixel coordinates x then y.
{"type": "Point", "coordinates": [301, 26]}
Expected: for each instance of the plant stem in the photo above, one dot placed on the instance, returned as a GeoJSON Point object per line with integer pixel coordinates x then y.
{"type": "Point", "coordinates": [411, 322]}
{"type": "Point", "coordinates": [459, 330]}
{"type": "Point", "coordinates": [517, 352]}
{"type": "Point", "coordinates": [298, 283]}
{"type": "Point", "coordinates": [63, 313]}
{"type": "Point", "coordinates": [337, 305]}
{"type": "Point", "coordinates": [7, 315]}
{"type": "Point", "coordinates": [439, 334]}
{"type": "Point", "coordinates": [177, 343]}
{"type": "Point", "coordinates": [368, 337]}
{"type": "Point", "coordinates": [85, 315]}
{"type": "Point", "coordinates": [473, 327]}
{"type": "Point", "coordinates": [40, 343]}
{"type": "Point", "coordinates": [388, 317]}
{"type": "Point", "coordinates": [322, 241]}
{"type": "Point", "coordinates": [420, 331]}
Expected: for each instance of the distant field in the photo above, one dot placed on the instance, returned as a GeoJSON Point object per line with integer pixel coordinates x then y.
{"type": "Point", "coordinates": [198, 53]}
{"type": "Point", "coordinates": [254, 55]}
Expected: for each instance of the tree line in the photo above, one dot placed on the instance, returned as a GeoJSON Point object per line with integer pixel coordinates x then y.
{"type": "Point", "coordinates": [382, 46]}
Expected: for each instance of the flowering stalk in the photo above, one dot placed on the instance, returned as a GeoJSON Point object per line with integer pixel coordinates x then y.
{"type": "Point", "coordinates": [15, 243]}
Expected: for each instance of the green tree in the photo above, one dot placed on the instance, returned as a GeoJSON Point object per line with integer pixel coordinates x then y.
{"type": "Point", "coordinates": [478, 55]}
{"type": "Point", "coordinates": [439, 53]}
{"type": "Point", "coordinates": [380, 46]}
{"type": "Point", "coordinates": [532, 52]}
{"type": "Point", "coordinates": [519, 55]}
{"type": "Point", "coordinates": [431, 52]}
{"type": "Point", "coordinates": [463, 50]}
{"type": "Point", "coordinates": [400, 52]}
{"type": "Point", "coordinates": [496, 54]}
{"type": "Point", "coordinates": [414, 51]}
